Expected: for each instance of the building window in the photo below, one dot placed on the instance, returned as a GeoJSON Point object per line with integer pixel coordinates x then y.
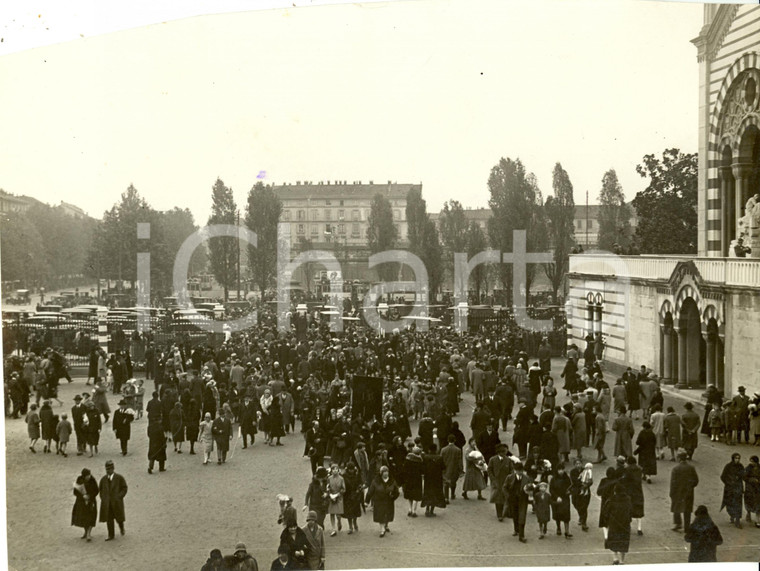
{"type": "Point", "coordinates": [314, 230]}
{"type": "Point", "coordinates": [355, 230]}
{"type": "Point", "coordinates": [341, 214]}
{"type": "Point", "coordinates": [328, 214]}
{"type": "Point", "coordinates": [355, 215]}
{"type": "Point", "coordinates": [396, 215]}
{"type": "Point", "coordinates": [341, 203]}
{"type": "Point", "coordinates": [300, 229]}
{"type": "Point", "coordinates": [328, 202]}
{"type": "Point", "coordinates": [301, 215]}
{"type": "Point", "coordinates": [286, 215]}
{"type": "Point", "coordinates": [341, 228]}
{"type": "Point", "coordinates": [313, 215]}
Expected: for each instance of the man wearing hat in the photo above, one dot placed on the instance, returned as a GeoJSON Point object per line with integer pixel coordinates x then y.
{"type": "Point", "coordinates": [499, 467]}
{"type": "Point", "coordinates": [516, 500]}
{"type": "Point", "coordinates": [77, 417]}
{"type": "Point", "coordinates": [122, 421]}
{"type": "Point", "coordinates": [113, 488]}
{"type": "Point", "coordinates": [683, 480]}
{"type": "Point", "coordinates": [741, 404]}
{"type": "Point", "coordinates": [243, 560]}
{"type": "Point", "coordinates": [690, 424]}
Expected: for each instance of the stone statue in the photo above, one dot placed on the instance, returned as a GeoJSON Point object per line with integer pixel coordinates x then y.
{"type": "Point", "coordinates": [752, 225]}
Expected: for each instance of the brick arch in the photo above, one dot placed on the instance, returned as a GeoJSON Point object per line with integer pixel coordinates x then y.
{"type": "Point", "coordinates": [748, 60]}
{"type": "Point", "coordinates": [711, 312]}
{"type": "Point", "coordinates": [687, 291]}
{"type": "Point", "coordinates": [667, 306]}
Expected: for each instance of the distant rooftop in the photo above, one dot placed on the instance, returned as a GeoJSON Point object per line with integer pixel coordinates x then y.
{"type": "Point", "coordinates": [342, 189]}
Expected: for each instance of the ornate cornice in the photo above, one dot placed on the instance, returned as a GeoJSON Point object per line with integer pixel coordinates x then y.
{"type": "Point", "coordinates": [712, 35]}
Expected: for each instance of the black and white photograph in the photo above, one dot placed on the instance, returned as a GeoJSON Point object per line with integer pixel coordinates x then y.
{"type": "Point", "coordinates": [371, 285]}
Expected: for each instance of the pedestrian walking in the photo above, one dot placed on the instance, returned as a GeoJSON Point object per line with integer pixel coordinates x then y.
{"type": "Point", "coordinates": [623, 427]}
{"type": "Point", "coordinates": [316, 538]}
{"type": "Point", "coordinates": [432, 486]}
{"type": "Point", "coordinates": [582, 478]}
{"type": "Point", "coordinates": [122, 425]}
{"type": "Point", "coordinates": [631, 480]}
{"type": "Point", "coordinates": [704, 537]}
{"type": "Point", "coordinates": [453, 461]}
{"type": "Point", "coordinates": [516, 496]}
{"type": "Point", "coordinates": [77, 417]}
{"type": "Point", "coordinates": [206, 437]}
{"type": "Point", "coordinates": [84, 514]}
{"type": "Point", "coordinates": [672, 428]}
{"type": "Point", "coordinates": [600, 434]}
{"type": "Point", "coordinates": [683, 480]}
{"type": "Point", "coordinates": [316, 495]}
{"type": "Point", "coordinates": [48, 423]}
{"type": "Point", "coordinates": [63, 433]}
{"type": "Point", "coordinates": [294, 538]}
{"type": "Point", "coordinates": [353, 498]}
{"type": "Point", "coordinates": [690, 424]}
{"type": "Point", "coordinates": [243, 561]}
{"type": "Point", "coordinates": [559, 488]}
{"type": "Point", "coordinates": [93, 426]}
{"type": "Point", "coordinates": [156, 447]}
{"type": "Point", "coordinates": [657, 421]}
{"type": "Point", "coordinates": [222, 431]}
{"type": "Point", "coordinates": [475, 467]}
{"type": "Point", "coordinates": [499, 468]}
{"type": "Point", "coordinates": [646, 450]}
{"type": "Point", "coordinates": [383, 493]}
{"type": "Point", "coordinates": [412, 483]}
{"type": "Point", "coordinates": [733, 489]}
{"type": "Point", "coordinates": [113, 488]}
{"type": "Point", "coordinates": [752, 490]}
{"type": "Point", "coordinates": [336, 488]}
{"type": "Point", "coordinates": [619, 524]}
{"type": "Point", "coordinates": [177, 426]}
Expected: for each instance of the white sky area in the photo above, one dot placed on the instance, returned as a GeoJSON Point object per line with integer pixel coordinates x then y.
{"type": "Point", "coordinates": [430, 92]}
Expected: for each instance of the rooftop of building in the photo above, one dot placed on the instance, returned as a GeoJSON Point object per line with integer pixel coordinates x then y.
{"type": "Point", "coordinates": [342, 190]}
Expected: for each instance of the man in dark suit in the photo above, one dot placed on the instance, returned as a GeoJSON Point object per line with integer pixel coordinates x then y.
{"type": "Point", "coordinates": [113, 488]}
{"type": "Point", "coordinates": [487, 442]}
{"type": "Point", "coordinates": [499, 467]}
{"type": "Point", "coordinates": [77, 417]}
{"type": "Point", "coordinates": [122, 421]}
{"type": "Point", "coordinates": [517, 499]}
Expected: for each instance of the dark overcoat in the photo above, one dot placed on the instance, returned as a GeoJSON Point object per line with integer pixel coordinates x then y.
{"type": "Point", "coordinates": [683, 480]}
{"type": "Point", "coordinates": [382, 495]}
{"type": "Point", "coordinates": [112, 498]}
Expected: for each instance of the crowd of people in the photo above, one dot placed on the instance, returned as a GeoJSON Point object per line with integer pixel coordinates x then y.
{"type": "Point", "coordinates": [261, 382]}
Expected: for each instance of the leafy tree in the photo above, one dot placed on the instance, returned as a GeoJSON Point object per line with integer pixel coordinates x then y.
{"type": "Point", "coordinates": [114, 251]}
{"type": "Point", "coordinates": [614, 214]}
{"type": "Point", "coordinates": [23, 253]}
{"type": "Point", "coordinates": [262, 216]}
{"type": "Point", "coordinates": [516, 203]}
{"type": "Point", "coordinates": [560, 214]}
{"type": "Point", "coordinates": [431, 254]}
{"type": "Point", "coordinates": [176, 226]}
{"type": "Point", "coordinates": [382, 233]}
{"type": "Point", "coordinates": [452, 226]}
{"type": "Point", "coordinates": [667, 208]}
{"type": "Point", "coordinates": [476, 242]}
{"type": "Point", "coordinates": [416, 218]}
{"type": "Point", "coordinates": [224, 251]}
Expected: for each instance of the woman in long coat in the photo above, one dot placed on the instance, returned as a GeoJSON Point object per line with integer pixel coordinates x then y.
{"type": "Point", "coordinates": [316, 495]}
{"type": "Point", "coordinates": [412, 482]}
{"type": "Point", "coordinates": [623, 427]}
{"type": "Point", "coordinates": [559, 488]}
{"type": "Point", "coordinates": [631, 480]}
{"type": "Point", "coordinates": [49, 423]}
{"type": "Point", "coordinates": [336, 488]}
{"type": "Point", "coordinates": [353, 499]}
{"type": "Point", "coordinates": [474, 467]}
{"type": "Point", "coordinates": [156, 447]}
{"type": "Point", "coordinates": [206, 437]}
{"type": "Point", "coordinates": [192, 416]}
{"type": "Point", "coordinates": [177, 426]}
{"type": "Point", "coordinates": [432, 488]}
{"type": "Point", "coordinates": [733, 489]}
{"type": "Point", "coordinates": [672, 428]}
{"type": "Point", "coordinates": [84, 514]}
{"type": "Point", "coordinates": [561, 428]}
{"type": "Point", "coordinates": [619, 524]}
{"type": "Point", "coordinates": [604, 491]}
{"type": "Point", "coordinates": [704, 537]}
{"type": "Point", "coordinates": [580, 438]}
{"type": "Point", "coordinates": [93, 427]}
{"type": "Point", "coordinates": [752, 489]}
{"type": "Point", "coordinates": [646, 450]}
{"type": "Point", "coordinates": [100, 399]}
{"type": "Point", "coordinates": [383, 493]}
{"type": "Point", "coordinates": [276, 429]}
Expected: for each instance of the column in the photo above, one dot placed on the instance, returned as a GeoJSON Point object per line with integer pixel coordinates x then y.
{"type": "Point", "coordinates": [667, 353]}
{"type": "Point", "coordinates": [741, 191]}
{"type": "Point", "coordinates": [725, 211]}
{"type": "Point", "coordinates": [710, 377]}
{"type": "Point", "coordinates": [103, 329]}
{"type": "Point", "coordinates": [683, 363]}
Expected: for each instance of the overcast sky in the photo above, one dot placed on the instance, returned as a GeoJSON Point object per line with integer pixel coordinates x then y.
{"type": "Point", "coordinates": [409, 91]}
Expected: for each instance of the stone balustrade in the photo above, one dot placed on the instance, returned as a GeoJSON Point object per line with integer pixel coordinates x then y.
{"type": "Point", "coordinates": [743, 272]}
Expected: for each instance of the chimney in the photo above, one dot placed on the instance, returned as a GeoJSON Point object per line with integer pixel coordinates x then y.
{"type": "Point", "coordinates": [298, 182]}
{"type": "Point", "coordinates": [372, 182]}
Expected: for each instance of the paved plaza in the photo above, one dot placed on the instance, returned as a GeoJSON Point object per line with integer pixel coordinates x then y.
{"type": "Point", "coordinates": [173, 519]}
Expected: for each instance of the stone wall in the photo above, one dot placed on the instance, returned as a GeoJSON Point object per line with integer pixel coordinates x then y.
{"type": "Point", "coordinates": [743, 342]}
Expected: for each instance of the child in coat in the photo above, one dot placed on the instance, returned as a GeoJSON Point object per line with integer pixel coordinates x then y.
{"type": "Point", "coordinates": [542, 508]}
{"type": "Point", "coordinates": [63, 432]}
{"type": "Point", "coordinates": [715, 420]}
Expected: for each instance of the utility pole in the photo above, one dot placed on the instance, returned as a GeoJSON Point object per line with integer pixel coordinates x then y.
{"type": "Point", "coordinates": [238, 255]}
